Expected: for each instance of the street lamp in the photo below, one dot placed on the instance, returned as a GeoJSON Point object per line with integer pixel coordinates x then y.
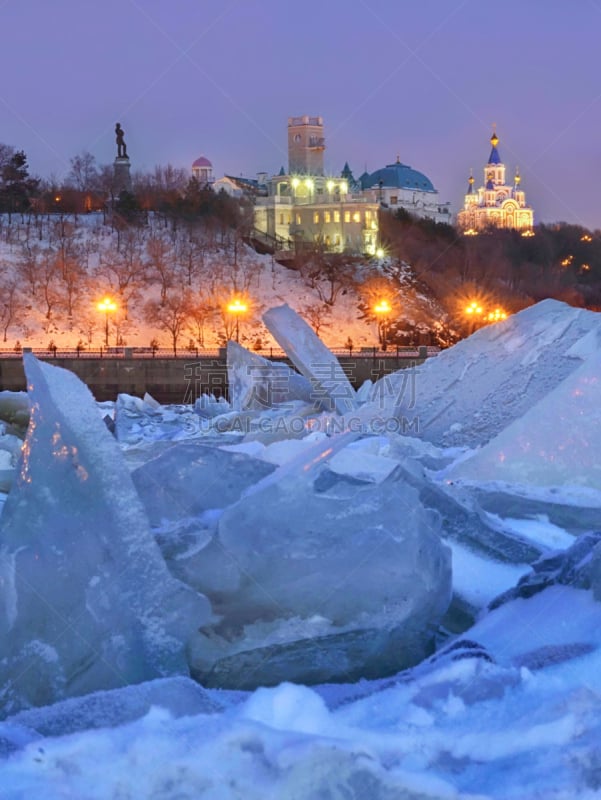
{"type": "Point", "coordinates": [236, 307]}
{"type": "Point", "coordinates": [474, 313]}
{"type": "Point", "coordinates": [108, 306]}
{"type": "Point", "coordinates": [383, 309]}
{"type": "Point", "coordinates": [497, 315]}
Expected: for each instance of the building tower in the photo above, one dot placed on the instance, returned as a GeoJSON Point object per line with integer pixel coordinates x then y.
{"type": "Point", "coordinates": [495, 203]}
{"type": "Point", "coordinates": [202, 170]}
{"type": "Point", "coordinates": [306, 145]}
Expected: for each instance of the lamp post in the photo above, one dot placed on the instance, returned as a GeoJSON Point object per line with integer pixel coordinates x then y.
{"type": "Point", "coordinates": [108, 306]}
{"type": "Point", "coordinates": [474, 312]}
{"type": "Point", "coordinates": [236, 307]}
{"type": "Point", "coordinates": [383, 309]}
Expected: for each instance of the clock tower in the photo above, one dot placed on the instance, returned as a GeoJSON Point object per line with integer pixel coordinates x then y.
{"type": "Point", "coordinates": [306, 145]}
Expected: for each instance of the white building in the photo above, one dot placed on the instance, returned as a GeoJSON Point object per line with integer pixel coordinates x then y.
{"type": "Point", "coordinates": [398, 186]}
{"type": "Point", "coordinates": [496, 203]}
{"type": "Point", "coordinates": [202, 170]}
{"type": "Point", "coordinates": [305, 207]}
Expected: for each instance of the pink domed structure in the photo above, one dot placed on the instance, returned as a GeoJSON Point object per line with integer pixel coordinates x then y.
{"type": "Point", "coordinates": [202, 170]}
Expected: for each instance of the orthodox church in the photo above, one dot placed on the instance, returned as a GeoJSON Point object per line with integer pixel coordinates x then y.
{"type": "Point", "coordinates": [496, 203]}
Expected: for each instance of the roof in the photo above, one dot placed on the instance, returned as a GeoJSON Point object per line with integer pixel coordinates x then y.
{"type": "Point", "coordinates": [399, 176]}
{"type": "Point", "coordinates": [202, 162]}
{"type": "Point", "coordinates": [494, 157]}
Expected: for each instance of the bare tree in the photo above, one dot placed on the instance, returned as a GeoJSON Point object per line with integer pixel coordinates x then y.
{"type": "Point", "coordinates": [12, 306]}
{"type": "Point", "coordinates": [124, 270]}
{"type": "Point", "coordinates": [202, 312]}
{"type": "Point", "coordinates": [27, 268]}
{"type": "Point", "coordinates": [190, 257]}
{"type": "Point", "coordinates": [160, 264]}
{"type": "Point", "coordinates": [49, 275]}
{"type": "Point", "coordinates": [73, 283]}
{"type": "Point", "coordinates": [171, 316]}
{"type": "Point", "coordinates": [83, 175]}
{"type": "Point", "coordinates": [317, 315]}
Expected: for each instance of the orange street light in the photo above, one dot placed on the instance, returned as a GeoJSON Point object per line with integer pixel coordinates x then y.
{"type": "Point", "coordinates": [497, 315]}
{"type": "Point", "coordinates": [383, 309]}
{"type": "Point", "coordinates": [108, 306]}
{"type": "Point", "coordinates": [473, 312]}
{"type": "Point", "coordinates": [474, 309]}
{"type": "Point", "coordinates": [237, 307]}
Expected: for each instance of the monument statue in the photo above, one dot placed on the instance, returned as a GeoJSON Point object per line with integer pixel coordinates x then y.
{"type": "Point", "coordinates": [121, 146]}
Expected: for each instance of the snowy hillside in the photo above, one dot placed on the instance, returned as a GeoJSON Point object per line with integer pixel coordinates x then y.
{"type": "Point", "coordinates": [56, 268]}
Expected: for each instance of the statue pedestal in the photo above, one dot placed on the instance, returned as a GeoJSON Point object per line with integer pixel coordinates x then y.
{"type": "Point", "coordinates": [122, 175]}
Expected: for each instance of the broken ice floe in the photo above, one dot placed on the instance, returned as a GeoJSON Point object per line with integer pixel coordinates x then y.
{"type": "Point", "coordinates": [86, 601]}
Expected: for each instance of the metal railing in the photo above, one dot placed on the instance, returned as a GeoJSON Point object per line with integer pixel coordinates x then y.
{"type": "Point", "coordinates": [410, 352]}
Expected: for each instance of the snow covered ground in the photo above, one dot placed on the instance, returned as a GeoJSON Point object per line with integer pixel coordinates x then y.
{"type": "Point", "coordinates": [315, 553]}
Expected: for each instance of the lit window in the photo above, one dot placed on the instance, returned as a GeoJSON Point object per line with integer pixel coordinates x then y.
{"type": "Point", "coordinates": [289, 219]}
{"type": "Point", "coordinates": [327, 217]}
{"type": "Point", "coordinates": [367, 216]}
{"type": "Point", "coordinates": [281, 219]}
{"type": "Point", "coordinates": [316, 217]}
{"type": "Point", "coordinates": [347, 216]}
{"type": "Point", "coordinates": [357, 216]}
{"type": "Point", "coordinates": [298, 219]}
{"type": "Point", "coordinates": [336, 216]}
{"type": "Point", "coordinates": [337, 239]}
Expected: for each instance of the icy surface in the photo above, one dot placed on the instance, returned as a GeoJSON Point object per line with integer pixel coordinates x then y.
{"type": "Point", "coordinates": [469, 393]}
{"type": "Point", "coordinates": [555, 443]}
{"type": "Point", "coordinates": [189, 478]}
{"type": "Point", "coordinates": [257, 383]}
{"type": "Point", "coordinates": [137, 421]}
{"type": "Point", "coordinates": [14, 409]}
{"type": "Point", "coordinates": [364, 559]}
{"type": "Point", "coordinates": [86, 601]}
{"type": "Point", "coordinates": [508, 712]}
{"type": "Point", "coordinates": [305, 566]}
{"type": "Point", "coordinates": [312, 358]}
{"type": "Point", "coordinates": [179, 696]}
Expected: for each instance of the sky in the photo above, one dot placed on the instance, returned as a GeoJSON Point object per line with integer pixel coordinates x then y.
{"type": "Point", "coordinates": [424, 81]}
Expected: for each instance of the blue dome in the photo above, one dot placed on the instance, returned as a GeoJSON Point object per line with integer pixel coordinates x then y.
{"type": "Point", "coordinates": [399, 176]}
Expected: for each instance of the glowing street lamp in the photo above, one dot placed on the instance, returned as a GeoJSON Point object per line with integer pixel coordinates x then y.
{"type": "Point", "coordinates": [474, 309]}
{"type": "Point", "coordinates": [496, 316]}
{"type": "Point", "coordinates": [474, 312]}
{"type": "Point", "coordinates": [383, 309]}
{"type": "Point", "coordinates": [108, 306]}
{"type": "Point", "coordinates": [236, 307]}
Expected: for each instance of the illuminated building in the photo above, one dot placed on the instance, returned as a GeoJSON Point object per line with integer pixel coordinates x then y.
{"type": "Point", "coordinates": [306, 208]}
{"type": "Point", "coordinates": [399, 186]}
{"type": "Point", "coordinates": [496, 203]}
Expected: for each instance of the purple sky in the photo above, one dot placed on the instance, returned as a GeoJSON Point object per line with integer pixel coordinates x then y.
{"type": "Point", "coordinates": [423, 80]}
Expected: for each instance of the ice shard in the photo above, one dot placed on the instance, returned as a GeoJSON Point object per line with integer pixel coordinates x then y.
{"type": "Point", "coordinates": [470, 392]}
{"type": "Point", "coordinates": [256, 383]}
{"type": "Point", "coordinates": [312, 358]}
{"type": "Point", "coordinates": [86, 601]}
{"type": "Point", "coordinates": [358, 565]}
{"type": "Point", "coordinates": [556, 443]}
{"type": "Point", "coordinates": [189, 478]}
